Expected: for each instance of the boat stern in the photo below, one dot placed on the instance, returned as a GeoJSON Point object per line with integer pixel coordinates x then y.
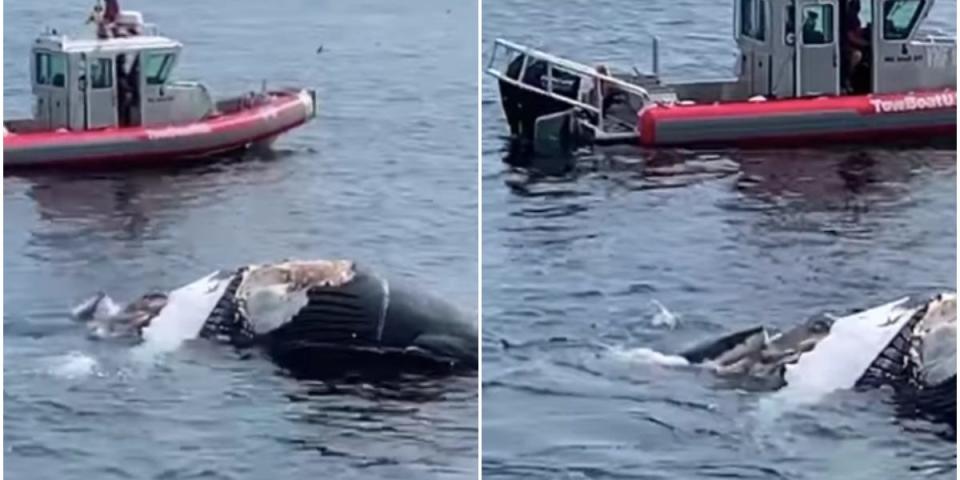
{"type": "Point", "coordinates": [308, 97]}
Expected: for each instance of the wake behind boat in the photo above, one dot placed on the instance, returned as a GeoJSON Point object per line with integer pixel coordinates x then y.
{"type": "Point", "coordinates": [111, 100]}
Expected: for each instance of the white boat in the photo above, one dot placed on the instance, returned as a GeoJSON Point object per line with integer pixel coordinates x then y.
{"type": "Point", "coordinates": [797, 83]}
{"type": "Point", "coordinates": [111, 99]}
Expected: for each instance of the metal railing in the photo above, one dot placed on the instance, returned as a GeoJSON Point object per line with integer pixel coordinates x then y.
{"type": "Point", "coordinates": [936, 40]}
{"type": "Point", "coordinates": [554, 64]}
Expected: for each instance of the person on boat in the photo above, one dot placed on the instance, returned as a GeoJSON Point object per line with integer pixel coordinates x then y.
{"type": "Point", "coordinates": [606, 90]}
{"type": "Point", "coordinates": [111, 13]}
{"type": "Point", "coordinates": [123, 91]}
{"type": "Point", "coordinates": [96, 17]}
{"type": "Point", "coordinates": [128, 82]}
{"type": "Point", "coordinates": [854, 43]}
{"type": "Point", "coordinates": [105, 18]}
{"type": "Point", "coordinates": [811, 34]}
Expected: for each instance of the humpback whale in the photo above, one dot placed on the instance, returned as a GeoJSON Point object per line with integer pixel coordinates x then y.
{"type": "Point", "coordinates": [907, 346]}
{"type": "Point", "coordinates": [313, 317]}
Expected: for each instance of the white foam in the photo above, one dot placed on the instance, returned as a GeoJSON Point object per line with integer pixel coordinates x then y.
{"type": "Point", "coordinates": [664, 317]}
{"type": "Point", "coordinates": [183, 316]}
{"type": "Point", "coordinates": [650, 357]}
{"type": "Point", "coordinates": [74, 365]}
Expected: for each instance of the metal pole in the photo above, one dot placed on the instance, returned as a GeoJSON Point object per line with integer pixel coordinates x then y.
{"type": "Point", "coordinates": [601, 91]}
{"type": "Point", "coordinates": [550, 77]}
{"type": "Point", "coordinates": [656, 57]}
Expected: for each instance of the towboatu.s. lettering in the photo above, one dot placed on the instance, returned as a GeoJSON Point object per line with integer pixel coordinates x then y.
{"type": "Point", "coordinates": [912, 102]}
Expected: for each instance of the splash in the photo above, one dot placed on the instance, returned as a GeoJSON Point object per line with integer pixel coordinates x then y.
{"type": "Point", "coordinates": [663, 318]}
{"type": "Point", "coordinates": [649, 356]}
{"type": "Point", "coordinates": [73, 365]}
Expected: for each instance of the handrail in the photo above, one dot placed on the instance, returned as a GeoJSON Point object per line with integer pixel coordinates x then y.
{"type": "Point", "coordinates": [602, 83]}
{"type": "Point", "coordinates": [572, 66]}
{"type": "Point", "coordinates": [938, 40]}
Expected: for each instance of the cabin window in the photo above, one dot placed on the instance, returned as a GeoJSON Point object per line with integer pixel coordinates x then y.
{"type": "Point", "coordinates": [753, 19]}
{"type": "Point", "coordinates": [158, 67]}
{"type": "Point", "coordinates": [818, 24]}
{"type": "Point", "coordinates": [899, 18]}
{"type": "Point", "coordinates": [43, 69]}
{"type": "Point", "coordinates": [789, 31]}
{"type": "Point", "coordinates": [51, 69]}
{"type": "Point", "coordinates": [101, 73]}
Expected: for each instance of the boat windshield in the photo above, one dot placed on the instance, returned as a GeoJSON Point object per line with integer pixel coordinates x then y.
{"type": "Point", "coordinates": [753, 19]}
{"type": "Point", "coordinates": [158, 68]}
{"type": "Point", "coordinates": [899, 18]}
{"type": "Point", "coordinates": [51, 69]}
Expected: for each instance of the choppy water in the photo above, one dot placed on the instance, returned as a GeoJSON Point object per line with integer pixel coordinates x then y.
{"type": "Point", "coordinates": [576, 270]}
{"type": "Point", "coordinates": [385, 175]}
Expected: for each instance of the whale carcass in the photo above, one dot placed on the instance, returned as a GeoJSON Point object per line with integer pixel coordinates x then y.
{"type": "Point", "coordinates": [908, 346]}
{"type": "Point", "coordinates": [315, 317]}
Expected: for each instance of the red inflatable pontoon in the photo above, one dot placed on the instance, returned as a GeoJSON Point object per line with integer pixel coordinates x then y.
{"type": "Point", "coordinates": [814, 120]}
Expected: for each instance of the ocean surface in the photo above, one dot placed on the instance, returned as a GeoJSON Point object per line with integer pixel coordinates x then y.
{"type": "Point", "coordinates": [588, 275]}
{"type": "Point", "coordinates": [385, 175]}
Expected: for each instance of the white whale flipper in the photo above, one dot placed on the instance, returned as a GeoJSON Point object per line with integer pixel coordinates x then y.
{"type": "Point", "coordinates": [840, 359]}
{"type": "Point", "coordinates": [183, 316]}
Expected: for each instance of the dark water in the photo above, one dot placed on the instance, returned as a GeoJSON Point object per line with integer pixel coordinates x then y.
{"type": "Point", "coordinates": [573, 269]}
{"type": "Point", "coordinates": [385, 175]}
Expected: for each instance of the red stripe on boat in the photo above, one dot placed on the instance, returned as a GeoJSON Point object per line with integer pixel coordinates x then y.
{"type": "Point", "coordinates": [651, 118]}
{"type": "Point", "coordinates": [222, 123]}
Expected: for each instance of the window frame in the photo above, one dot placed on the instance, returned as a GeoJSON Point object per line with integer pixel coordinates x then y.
{"type": "Point", "coordinates": [828, 28]}
{"type": "Point", "coordinates": [45, 72]}
{"type": "Point", "coordinates": [105, 74]}
{"type": "Point", "coordinates": [789, 24]}
{"type": "Point", "coordinates": [911, 26]}
{"type": "Point", "coordinates": [759, 15]}
{"type": "Point", "coordinates": [163, 72]}
{"type": "Point", "coordinates": [42, 68]}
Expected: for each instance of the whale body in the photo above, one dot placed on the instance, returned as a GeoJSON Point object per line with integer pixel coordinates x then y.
{"type": "Point", "coordinates": [315, 317]}
{"type": "Point", "coordinates": [907, 346]}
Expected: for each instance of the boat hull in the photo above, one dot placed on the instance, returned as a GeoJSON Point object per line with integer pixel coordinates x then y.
{"type": "Point", "coordinates": [149, 145]}
{"type": "Point", "coordinates": [916, 117]}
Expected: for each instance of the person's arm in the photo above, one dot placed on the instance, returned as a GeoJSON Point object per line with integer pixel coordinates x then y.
{"type": "Point", "coordinates": [856, 39]}
{"type": "Point", "coordinates": [855, 35]}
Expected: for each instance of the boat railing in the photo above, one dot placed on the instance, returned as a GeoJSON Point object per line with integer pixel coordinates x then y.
{"type": "Point", "coordinates": [555, 64]}
{"type": "Point", "coordinates": [149, 29]}
{"type": "Point", "coordinates": [937, 40]}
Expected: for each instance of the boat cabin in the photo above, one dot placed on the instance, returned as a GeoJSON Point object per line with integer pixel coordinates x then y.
{"type": "Point", "coordinates": [111, 81]}
{"type": "Point", "coordinates": [797, 48]}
